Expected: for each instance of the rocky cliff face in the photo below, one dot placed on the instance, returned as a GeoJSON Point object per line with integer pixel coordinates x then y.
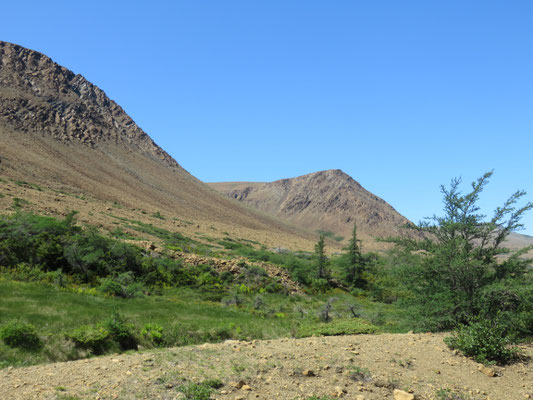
{"type": "Point", "coordinates": [39, 96]}
{"type": "Point", "coordinates": [326, 200]}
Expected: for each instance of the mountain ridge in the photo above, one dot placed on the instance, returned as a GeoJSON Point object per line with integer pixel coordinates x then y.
{"type": "Point", "coordinates": [329, 200]}
{"type": "Point", "coordinates": [71, 107]}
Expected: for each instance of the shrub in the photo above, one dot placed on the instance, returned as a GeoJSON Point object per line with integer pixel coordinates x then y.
{"type": "Point", "coordinates": [121, 331]}
{"type": "Point", "coordinates": [20, 334]}
{"type": "Point", "coordinates": [123, 286]}
{"type": "Point", "coordinates": [153, 333]}
{"type": "Point", "coordinates": [484, 340]}
{"type": "Point", "coordinates": [92, 337]}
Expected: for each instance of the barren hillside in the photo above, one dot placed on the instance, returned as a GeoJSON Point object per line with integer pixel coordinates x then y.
{"type": "Point", "coordinates": [61, 132]}
{"type": "Point", "coordinates": [326, 200]}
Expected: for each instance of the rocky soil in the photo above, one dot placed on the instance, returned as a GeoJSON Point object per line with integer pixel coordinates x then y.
{"type": "Point", "coordinates": [387, 366]}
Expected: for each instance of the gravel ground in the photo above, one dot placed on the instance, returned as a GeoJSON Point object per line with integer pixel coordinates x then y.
{"type": "Point", "coordinates": [352, 367]}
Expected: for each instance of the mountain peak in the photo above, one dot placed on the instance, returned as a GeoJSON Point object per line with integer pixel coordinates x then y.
{"type": "Point", "coordinates": [39, 96]}
{"type": "Point", "coordinates": [328, 200]}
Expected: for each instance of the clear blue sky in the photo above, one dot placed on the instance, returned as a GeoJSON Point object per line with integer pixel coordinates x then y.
{"type": "Point", "coordinates": [401, 95]}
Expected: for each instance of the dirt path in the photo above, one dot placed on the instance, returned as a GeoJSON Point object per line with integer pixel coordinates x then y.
{"type": "Point", "coordinates": [353, 367]}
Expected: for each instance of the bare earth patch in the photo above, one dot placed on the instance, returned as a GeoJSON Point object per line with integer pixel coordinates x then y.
{"type": "Point", "coordinates": [352, 367]}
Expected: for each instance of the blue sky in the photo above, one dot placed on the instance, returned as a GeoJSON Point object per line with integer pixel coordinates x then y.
{"type": "Point", "coordinates": [401, 95]}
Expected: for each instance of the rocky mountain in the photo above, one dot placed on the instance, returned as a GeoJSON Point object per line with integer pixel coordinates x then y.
{"type": "Point", "coordinates": [326, 200]}
{"type": "Point", "coordinates": [62, 132]}
{"type": "Point", "coordinates": [38, 95]}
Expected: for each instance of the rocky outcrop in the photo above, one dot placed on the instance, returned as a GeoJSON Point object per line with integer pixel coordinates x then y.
{"type": "Point", "coordinates": [235, 265]}
{"type": "Point", "coordinates": [39, 96]}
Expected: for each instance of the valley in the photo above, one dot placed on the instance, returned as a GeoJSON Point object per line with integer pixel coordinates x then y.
{"type": "Point", "coordinates": [124, 276]}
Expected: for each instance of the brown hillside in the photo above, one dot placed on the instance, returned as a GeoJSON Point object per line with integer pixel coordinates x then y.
{"type": "Point", "coordinates": [326, 200]}
{"type": "Point", "coordinates": [61, 132]}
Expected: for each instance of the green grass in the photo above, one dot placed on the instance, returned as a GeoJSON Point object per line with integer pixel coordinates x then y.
{"type": "Point", "coordinates": [352, 326]}
{"type": "Point", "coordinates": [183, 313]}
{"type": "Point", "coordinates": [29, 185]}
{"type": "Point", "coordinates": [186, 319]}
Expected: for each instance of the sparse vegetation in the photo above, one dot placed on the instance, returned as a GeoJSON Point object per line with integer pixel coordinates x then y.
{"type": "Point", "coordinates": [200, 391]}
{"type": "Point", "coordinates": [330, 235]}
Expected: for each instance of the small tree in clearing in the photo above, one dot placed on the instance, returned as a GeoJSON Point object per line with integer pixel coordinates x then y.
{"type": "Point", "coordinates": [457, 273]}
{"type": "Point", "coordinates": [322, 259]}
{"type": "Point", "coordinates": [355, 262]}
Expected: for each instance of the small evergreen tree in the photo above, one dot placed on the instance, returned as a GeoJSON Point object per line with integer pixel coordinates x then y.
{"type": "Point", "coordinates": [354, 265]}
{"type": "Point", "coordinates": [322, 259]}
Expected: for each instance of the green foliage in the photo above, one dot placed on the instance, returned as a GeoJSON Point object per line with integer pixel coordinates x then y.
{"type": "Point", "coordinates": [456, 260]}
{"type": "Point", "coordinates": [199, 391]}
{"type": "Point", "coordinates": [213, 383]}
{"type": "Point", "coordinates": [18, 203]}
{"type": "Point", "coordinates": [339, 326]}
{"type": "Point", "coordinates": [20, 334]}
{"type": "Point", "coordinates": [153, 332]}
{"type": "Point", "coordinates": [29, 185]}
{"type": "Point", "coordinates": [123, 286]}
{"type": "Point", "coordinates": [322, 271]}
{"type": "Point", "coordinates": [354, 263]}
{"type": "Point", "coordinates": [119, 233]}
{"type": "Point", "coordinates": [158, 215]}
{"type": "Point", "coordinates": [484, 340]}
{"type": "Point", "coordinates": [121, 331]}
{"type": "Point", "coordinates": [330, 235]}
{"type": "Point", "coordinates": [51, 244]}
{"type": "Point", "coordinates": [92, 337]}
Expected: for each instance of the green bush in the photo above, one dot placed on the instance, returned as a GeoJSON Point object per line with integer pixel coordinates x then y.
{"type": "Point", "coordinates": [20, 334]}
{"type": "Point", "coordinates": [484, 340]}
{"type": "Point", "coordinates": [123, 286]}
{"type": "Point", "coordinates": [92, 337]}
{"type": "Point", "coordinates": [121, 331]}
{"type": "Point", "coordinates": [153, 333]}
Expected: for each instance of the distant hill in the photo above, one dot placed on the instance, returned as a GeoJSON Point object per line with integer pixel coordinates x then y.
{"type": "Point", "coordinates": [516, 241]}
{"type": "Point", "coordinates": [60, 131]}
{"type": "Point", "coordinates": [327, 200]}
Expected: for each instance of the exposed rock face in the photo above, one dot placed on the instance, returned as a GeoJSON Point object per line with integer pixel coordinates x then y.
{"type": "Point", "coordinates": [38, 95]}
{"type": "Point", "coordinates": [326, 200]}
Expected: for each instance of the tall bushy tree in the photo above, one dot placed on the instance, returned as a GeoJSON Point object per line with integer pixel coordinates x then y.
{"type": "Point", "coordinates": [459, 272]}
